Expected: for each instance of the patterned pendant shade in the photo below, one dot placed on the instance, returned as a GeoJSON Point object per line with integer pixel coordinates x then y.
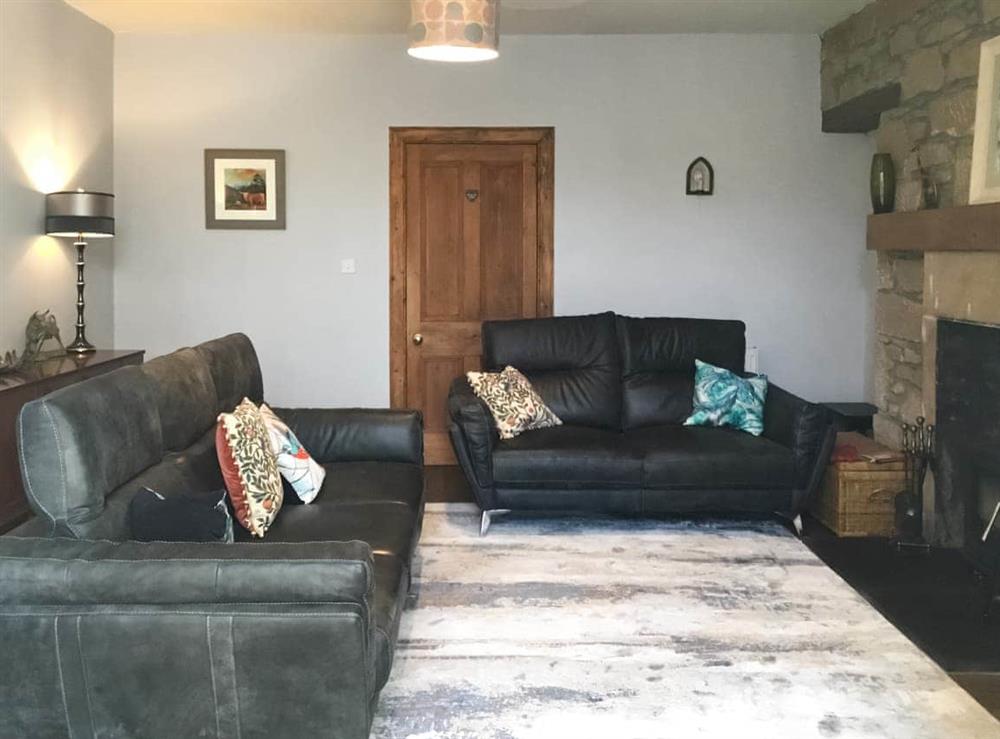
{"type": "Point", "coordinates": [454, 30]}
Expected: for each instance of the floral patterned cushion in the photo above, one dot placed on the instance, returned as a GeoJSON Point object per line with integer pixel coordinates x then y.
{"type": "Point", "coordinates": [295, 464]}
{"type": "Point", "coordinates": [723, 398]}
{"type": "Point", "coordinates": [515, 405]}
{"type": "Point", "coordinates": [249, 468]}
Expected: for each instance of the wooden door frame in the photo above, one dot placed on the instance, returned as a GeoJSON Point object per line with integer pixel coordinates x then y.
{"type": "Point", "coordinates": [543, 138]}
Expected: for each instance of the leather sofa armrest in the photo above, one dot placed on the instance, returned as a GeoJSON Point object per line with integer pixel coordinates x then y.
{"type": "Point", "coordinates": [806, 429]}
{"type": "Point", "coordinates": [64, 572]}
{"type": "Point", "coordinates": [205, 617]}
{"type": "Point", "coordinates": [358, 434]}
{"type": "Point", "coordinates": [474, 436]}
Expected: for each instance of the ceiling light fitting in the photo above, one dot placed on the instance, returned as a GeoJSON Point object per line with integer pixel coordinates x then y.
{"type": "Point", "coordinates": [454, 30]}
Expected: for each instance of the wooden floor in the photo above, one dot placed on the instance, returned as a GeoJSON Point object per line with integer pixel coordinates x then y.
{"type": "Point", "coordinates": [935, 599]}
{"type": "Point", "coordinates": [983, 686]}
{"type": "Point", "coordinates": [446, 484]}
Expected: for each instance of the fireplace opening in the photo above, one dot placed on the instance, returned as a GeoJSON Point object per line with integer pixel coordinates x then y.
{"type": "Point", "coordinates": [967, 473]}
{"type": "Point", "coordinates": [983, 538]}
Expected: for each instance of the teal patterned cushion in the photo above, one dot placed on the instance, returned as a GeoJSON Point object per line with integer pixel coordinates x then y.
{"type": "Point", "coordinates": [723, 398]}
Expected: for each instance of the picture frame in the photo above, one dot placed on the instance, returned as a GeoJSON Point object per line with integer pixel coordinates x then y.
{"type": "Point", "coordinates": [245, 188]}
{"type": "Point", "coordinates": [700, 177]}
{"type": "Point", "coordinates": [984, 184]}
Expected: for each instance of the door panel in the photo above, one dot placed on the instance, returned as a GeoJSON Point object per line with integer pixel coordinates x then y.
{"type": "Point", "coordinates": [469, 233]}
{"type": "Point", "coordinates": [442, 222]}
{"type": "Point", "coordinates": [502, 220]}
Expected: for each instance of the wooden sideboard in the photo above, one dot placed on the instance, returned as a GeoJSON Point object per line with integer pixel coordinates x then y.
{"type": "Point", "coordinates": [19, 388]}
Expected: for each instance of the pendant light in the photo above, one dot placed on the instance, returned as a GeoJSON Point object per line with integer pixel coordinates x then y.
{"type": "Point", "coordinates": [454, 30]}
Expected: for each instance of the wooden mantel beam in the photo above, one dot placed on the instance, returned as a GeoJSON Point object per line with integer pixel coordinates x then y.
{"type": "Point", "coordinates": [861, 114]}
{"type": "Point", "coordinates": [963, 228]}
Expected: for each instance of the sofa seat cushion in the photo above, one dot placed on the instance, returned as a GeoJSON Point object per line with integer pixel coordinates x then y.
{"type": "Point", "coordinates": [392, 582]}
{"type": "Point", "coordinates": [388, 527]}
{"type": "Point", "coordinates": [372, 482]}
{"type": "Point", "coordinates": [711, 458]}
{"type": "Point", "coordinates": [567, 456]}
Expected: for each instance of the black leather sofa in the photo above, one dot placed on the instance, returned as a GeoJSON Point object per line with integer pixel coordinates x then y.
{"type": "Point", "coordinates": [623, 387]}
{"type": "Point", "coordinates": [289, 636]}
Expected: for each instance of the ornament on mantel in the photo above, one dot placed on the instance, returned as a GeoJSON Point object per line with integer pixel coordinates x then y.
{"type": "Point", "coordinates": [929, 195]}
{"type": "Point", "coordinates": [883, 183]}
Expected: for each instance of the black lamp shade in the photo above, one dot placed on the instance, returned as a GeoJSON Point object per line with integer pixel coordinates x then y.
{"type": "Point", "coordinates": [75, 212]}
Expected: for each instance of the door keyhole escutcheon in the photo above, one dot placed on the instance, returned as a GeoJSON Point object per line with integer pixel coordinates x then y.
{"type": "Point", "coordinates": [471, 195]}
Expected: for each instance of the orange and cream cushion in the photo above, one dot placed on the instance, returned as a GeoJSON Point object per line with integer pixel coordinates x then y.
{"type": "Point", "coordinates": [249, 467]}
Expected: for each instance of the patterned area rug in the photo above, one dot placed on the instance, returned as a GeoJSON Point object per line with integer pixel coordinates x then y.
{"type": "Point", "coordinates": [618, 629]}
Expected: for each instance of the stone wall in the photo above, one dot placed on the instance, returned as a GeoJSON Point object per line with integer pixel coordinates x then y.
{"type": "Point", "coordinates": [931, 48]}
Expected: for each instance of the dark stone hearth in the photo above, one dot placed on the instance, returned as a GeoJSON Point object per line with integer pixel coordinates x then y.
{"type": "Point", "coordinates": [968, 416]}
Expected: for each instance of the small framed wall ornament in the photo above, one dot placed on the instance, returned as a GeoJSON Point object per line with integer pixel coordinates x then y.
{"type": "Point", "coordinates": [984, 184]}
{"type": "Point", "coordinates": [700, 177]}
{"type": "Point", "coordinates": [245, 188]}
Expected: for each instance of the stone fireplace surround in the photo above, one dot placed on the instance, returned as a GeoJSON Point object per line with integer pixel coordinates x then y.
{"type": "Point", "coordinates": [905, 72]}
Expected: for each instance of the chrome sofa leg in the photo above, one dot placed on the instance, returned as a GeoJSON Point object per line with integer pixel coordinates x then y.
{"type": "Point", "coordinates": [487, 519]}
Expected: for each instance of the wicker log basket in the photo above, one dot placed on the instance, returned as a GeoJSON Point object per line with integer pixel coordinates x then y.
{"type": "Point", "coordinates": [859, 488]}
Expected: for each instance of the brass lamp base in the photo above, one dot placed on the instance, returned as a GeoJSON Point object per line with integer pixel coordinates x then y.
{"type": "Point", "coordinates": [80, 346]}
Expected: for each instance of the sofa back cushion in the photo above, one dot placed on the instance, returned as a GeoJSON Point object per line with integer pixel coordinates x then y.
{"type": "Point", "coordinates": [185, 396]}
{"type": "Point", "coordinates": [192, 470]}
{"type": "Point", "coordinates": [83, 441]}
{"type": "Point", "coordinates": [87, 448]}
{"type": "Point", "coordinates": [572, 361]}
{"type": "Point", "coordinates": [235, 371]}
{"type": "Point", "coordinates": [658, 364]}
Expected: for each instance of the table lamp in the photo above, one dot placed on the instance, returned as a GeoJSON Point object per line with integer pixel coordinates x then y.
{"type": "Point", "coordinates": [80, 214]}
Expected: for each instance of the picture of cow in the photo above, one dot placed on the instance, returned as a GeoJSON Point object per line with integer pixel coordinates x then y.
{"type": "Point", "coordinates": [246, 189]}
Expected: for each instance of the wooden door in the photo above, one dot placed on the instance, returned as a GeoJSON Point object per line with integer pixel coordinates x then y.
{"type": "Point", "coordinates": [471, 240]}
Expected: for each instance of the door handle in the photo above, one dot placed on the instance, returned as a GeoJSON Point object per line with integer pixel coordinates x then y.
{"type": "Point", "coordinates": [418, 339]}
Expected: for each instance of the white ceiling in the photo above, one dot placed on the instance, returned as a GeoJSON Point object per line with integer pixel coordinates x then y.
{"type": "Point", "coordinates": [516, 16]}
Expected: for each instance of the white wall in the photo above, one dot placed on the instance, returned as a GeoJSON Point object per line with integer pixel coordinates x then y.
{"type": "Point", "coordinates": [777, 246]}
{"type": "Point", "coordinates": [56, 115]}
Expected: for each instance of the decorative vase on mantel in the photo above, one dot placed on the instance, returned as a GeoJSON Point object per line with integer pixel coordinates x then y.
{"type": "Point", "coordinates": [883, 183]}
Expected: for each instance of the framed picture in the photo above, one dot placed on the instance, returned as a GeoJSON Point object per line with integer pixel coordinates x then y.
{"type": "Point", "coordinates": [984, 186]}
{"type": "Point", "coordinates": [700, 177]}
{"type": "Point", "coordinates": [245, 188]}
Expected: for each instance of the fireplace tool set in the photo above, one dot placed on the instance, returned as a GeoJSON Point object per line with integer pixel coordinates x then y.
{"type": "Point", "coordinates": [919, 448]}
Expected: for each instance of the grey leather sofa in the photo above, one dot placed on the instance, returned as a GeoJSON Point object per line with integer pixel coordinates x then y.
{"type": "Point", "coordinates": [291, 636]}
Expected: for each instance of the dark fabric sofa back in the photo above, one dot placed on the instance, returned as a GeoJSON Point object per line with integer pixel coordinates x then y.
{"type": "Point", "coordinates": [658, 363]}
{"type": "Point", "coordinates": [87, 448]}
{"type": "Point", "coordinates": [572, 361]}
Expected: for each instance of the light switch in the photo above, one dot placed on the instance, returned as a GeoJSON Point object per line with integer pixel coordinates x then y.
{"type": "Point", "coordinates": [753, 360]}
{"type": "Point", "coordinates": [348, 267]}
